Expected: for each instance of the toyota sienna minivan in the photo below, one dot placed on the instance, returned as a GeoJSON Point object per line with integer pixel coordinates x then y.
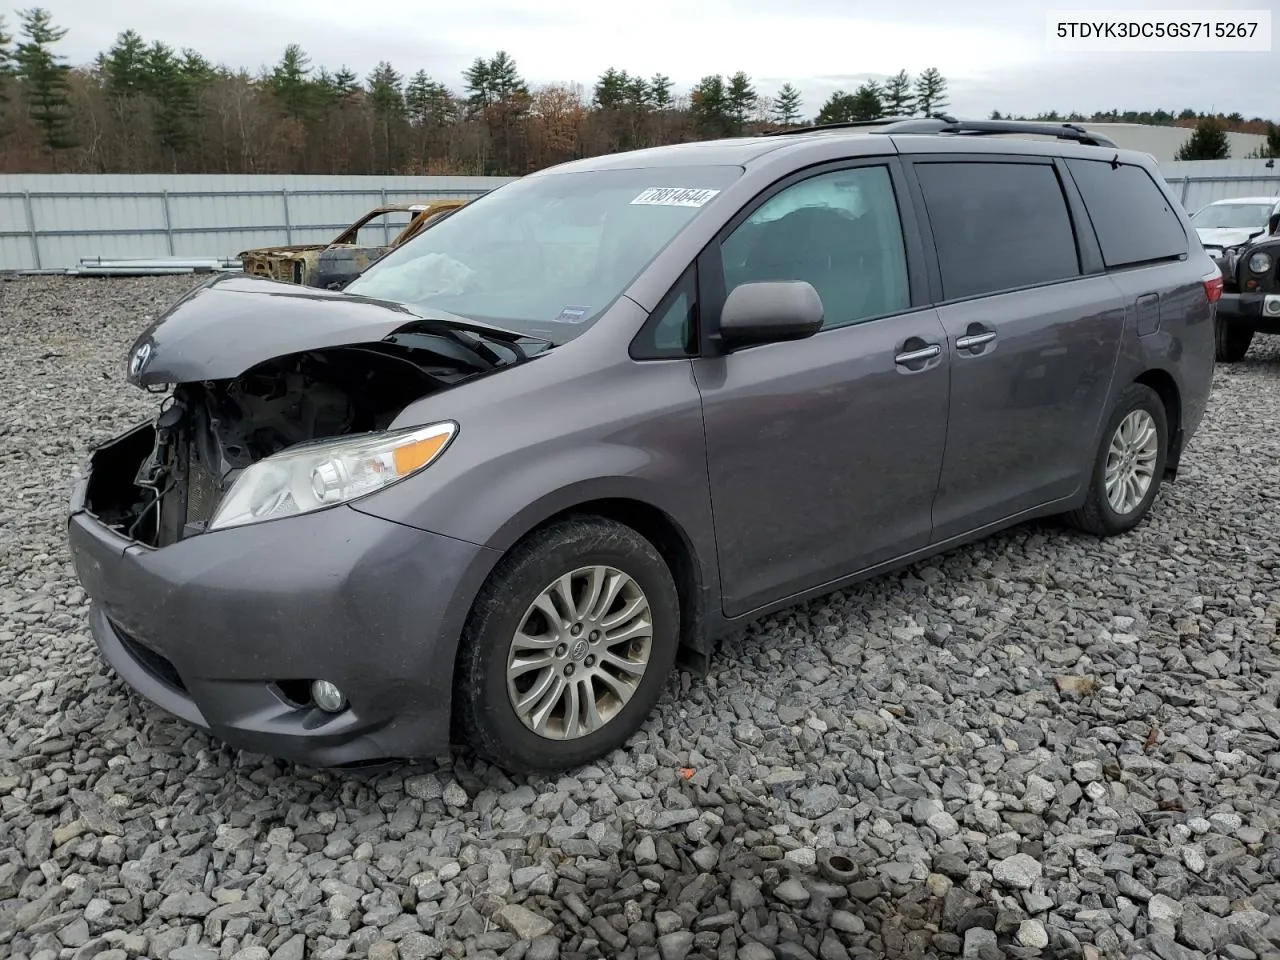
{"type": "Point", "coordinates": [489, 492]}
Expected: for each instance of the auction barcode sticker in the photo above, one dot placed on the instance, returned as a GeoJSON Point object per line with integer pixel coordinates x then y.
{"type": "Point", "coordinates": [675, 196]}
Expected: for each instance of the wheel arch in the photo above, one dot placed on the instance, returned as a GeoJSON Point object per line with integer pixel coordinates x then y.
{"type": "Point", "coordinates": [1166, 388]}
{"type": "Point", "coordinates": [692, 575]}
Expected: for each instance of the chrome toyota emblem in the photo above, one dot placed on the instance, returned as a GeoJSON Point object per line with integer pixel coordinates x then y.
{"type": "Point", "coordinates": [139, 360]}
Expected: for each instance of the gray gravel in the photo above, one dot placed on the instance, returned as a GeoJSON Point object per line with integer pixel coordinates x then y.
{"type": "Point", "coordinates": [1042, 745]}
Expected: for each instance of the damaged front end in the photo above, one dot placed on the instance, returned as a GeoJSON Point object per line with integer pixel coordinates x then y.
{"type": "Point", "coordinates": [313, 422]}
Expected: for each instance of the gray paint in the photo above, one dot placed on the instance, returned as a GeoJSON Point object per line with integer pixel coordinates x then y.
{"type": "Point", "coordinates": [219, 329]}
{"type": "Point", "coordinates": [788, 469]}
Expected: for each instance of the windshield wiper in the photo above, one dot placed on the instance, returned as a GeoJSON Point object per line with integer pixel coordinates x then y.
{"type": "Point", "coordinates": [469, 346]}
{"type": "Point", "coordinates": [481, 345]}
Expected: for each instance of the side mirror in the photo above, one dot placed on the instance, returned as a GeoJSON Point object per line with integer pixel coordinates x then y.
{"type": "Point", "coordinates": [1273, 224]}
{"type": "Point", "coordinates": [769, 312]}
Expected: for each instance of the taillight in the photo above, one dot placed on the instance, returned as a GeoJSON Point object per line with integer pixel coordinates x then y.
{"type": "Point", "coordinates": [1213, 286]}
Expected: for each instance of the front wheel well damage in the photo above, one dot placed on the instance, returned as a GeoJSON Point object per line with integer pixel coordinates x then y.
{"type": "Point", "coordinates": [1167, 389]}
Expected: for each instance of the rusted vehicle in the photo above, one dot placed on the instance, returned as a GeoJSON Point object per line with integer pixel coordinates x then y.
{"type": "Point", "coordinates": [333, 264]}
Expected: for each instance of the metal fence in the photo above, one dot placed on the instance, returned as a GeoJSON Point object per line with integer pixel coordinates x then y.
{"type": "Point", "coordinates": [51, 222]}
{"type": "Point", "coordinates": [1198, 182]}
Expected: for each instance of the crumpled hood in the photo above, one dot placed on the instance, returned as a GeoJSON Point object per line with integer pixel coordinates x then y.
{"type": "Point", "coordinates": [222, 328]}
{"type": "Point", "coordinates": [1225, 236]}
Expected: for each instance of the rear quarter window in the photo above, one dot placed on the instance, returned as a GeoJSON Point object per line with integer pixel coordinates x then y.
{"type": "Point", "coordinates": [1132, 218]}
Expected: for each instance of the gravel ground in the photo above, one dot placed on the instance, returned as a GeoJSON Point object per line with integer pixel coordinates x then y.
{"type": "Point", "coordinates": [1042, 745]}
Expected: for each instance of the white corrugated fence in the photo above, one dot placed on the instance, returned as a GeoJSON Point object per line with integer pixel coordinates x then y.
{"type": "Point", "coordinates": [53, 221]}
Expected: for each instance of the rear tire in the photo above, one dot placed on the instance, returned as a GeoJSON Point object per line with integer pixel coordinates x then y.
{"type": "Point", "coordinates": [1230, 342]}
{"type": "Point", "coordinates": [1129, 465]}
{"type": "Point", "coordinates": [542, 693]}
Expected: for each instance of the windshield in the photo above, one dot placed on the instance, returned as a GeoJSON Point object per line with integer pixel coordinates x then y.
{"type": "Point", "coordinates": [547, 254]}
{"type": "Point", "coordinates": [1233, 215]}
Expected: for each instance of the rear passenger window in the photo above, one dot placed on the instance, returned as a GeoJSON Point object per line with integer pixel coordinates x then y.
{"type": "Point", "coordinates": [998, 226]}
{"type": "Point", "coordinates": [1131, 216]}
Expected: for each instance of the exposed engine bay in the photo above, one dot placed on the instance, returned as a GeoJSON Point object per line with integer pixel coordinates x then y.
{"type": "Point", "coordinates": [162, 483]}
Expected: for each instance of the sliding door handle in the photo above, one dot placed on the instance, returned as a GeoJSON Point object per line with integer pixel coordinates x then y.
{"type": "Point", "coordinates": [975, 340]}
{"type": "Point", "coordinates": [916, 356]}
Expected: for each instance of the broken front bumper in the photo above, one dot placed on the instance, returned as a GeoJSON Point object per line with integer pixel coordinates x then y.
{"type": "Point", "coordinates": [219, 628]}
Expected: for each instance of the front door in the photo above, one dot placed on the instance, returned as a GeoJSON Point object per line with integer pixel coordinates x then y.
{"type": "Point", "coordinates": [824, 453]}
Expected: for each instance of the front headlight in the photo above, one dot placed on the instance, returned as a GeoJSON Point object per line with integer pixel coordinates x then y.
{"type": "Point", "coordinates": [1260, 262]}
{"type": "Point", "coordinates": [312, 476]}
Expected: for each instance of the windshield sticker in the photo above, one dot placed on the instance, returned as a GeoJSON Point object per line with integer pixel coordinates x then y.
{"type": "Point", "coordinates": [573, 315]}
{"type": "Point", "coordinates": [675, 196]}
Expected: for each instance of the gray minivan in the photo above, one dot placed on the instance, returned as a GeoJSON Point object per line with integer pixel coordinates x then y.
{"type": "Point", "coordinates": [489, 492]}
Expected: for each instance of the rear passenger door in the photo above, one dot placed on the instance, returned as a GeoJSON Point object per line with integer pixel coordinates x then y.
{"type": "Point", "coordinates": [1033, 339]}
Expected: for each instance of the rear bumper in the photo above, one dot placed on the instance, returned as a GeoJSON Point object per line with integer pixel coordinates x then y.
{"type": "Point", "coordinates": [223, 629]}
{"type": "Point", "coordinates": [1257, 311]}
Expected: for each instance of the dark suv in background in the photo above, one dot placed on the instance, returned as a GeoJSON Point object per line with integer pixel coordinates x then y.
{"type": "Point", "coordinates": [618, 407]}
{"type": "Point", "coordinates": [1250, 301]}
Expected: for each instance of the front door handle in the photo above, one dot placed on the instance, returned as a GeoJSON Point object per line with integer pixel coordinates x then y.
{"type": "Point", "coordinates": [975, 340]}
{"type": "Point", "coordinates": [916, 356]}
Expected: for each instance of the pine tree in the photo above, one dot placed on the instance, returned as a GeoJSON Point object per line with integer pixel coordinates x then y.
{"type": "Point", "coordinates": [44, 76]}
{"type": "Point", "coordinates": [931, 92]}
{"type": "Point", "coordinates": [505, 79]}
{"type": "Point", "coordinates": [611, 89]}
{"type": "Point", "coordinates": [174, 105]}
{"type": "Point", "coordinates": [291, 84]}
{"type": "Point", "coordinates": [1207, 142]}
{"type": "Point", "coordinates": [495, 81]}
{"type": "Point", "coordinates": [6, 69]}
{"type": "Point", "coordinates": [660, 91]}
{"type": "Point", "coordinates": [709, 103]}
{"type": "Point", "coordinates": [123, 65]}
{"type": "Point", "coordinates": [6, 52]}
{"type": "Point", "coordinates": [785, 109]}
{"type": "Point", "coordinates": [742, 98]}
{"type": "Point", "coordinates": [638, 93]}
{"type": "Point", "coordinates": [345, 83]}
{"type": "Point", "coordinates": [897, 97]}
{"type": "Point", "coordinates": [386, 94]}
{"type": "Point", "coordinates": [867, 104]}
{"type": "Point", "coordinates": [427, 101]}
{"type": "Point", "coordinates": [838, 108]}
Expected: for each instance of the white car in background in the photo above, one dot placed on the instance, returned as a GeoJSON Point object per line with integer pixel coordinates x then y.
{"type": "Point", "coordinates": [1224, 224]}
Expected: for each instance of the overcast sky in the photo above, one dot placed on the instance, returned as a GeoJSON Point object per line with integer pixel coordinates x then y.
{"type": "Point", "coordinates": [993, 52]}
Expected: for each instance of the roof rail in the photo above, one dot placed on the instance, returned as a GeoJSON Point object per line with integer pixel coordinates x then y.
{"type": "Point", "coordinates": [1063, 131]}
{"type": "Point", "coordinates": [941, 123]}
{"type": "Point", "coordinates": [841, 125]}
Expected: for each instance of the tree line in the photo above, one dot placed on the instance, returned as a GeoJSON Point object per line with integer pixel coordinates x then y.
{"type": "Point", "coordinates": [145, 107]}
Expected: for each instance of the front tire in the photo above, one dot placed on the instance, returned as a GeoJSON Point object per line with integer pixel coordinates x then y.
{"type": "Point", "coordinates": [1230, 342]}
{"type": "Point", "coordinates": [567, 648]}
{"type": "Point", "coordinates": [1129, 465]}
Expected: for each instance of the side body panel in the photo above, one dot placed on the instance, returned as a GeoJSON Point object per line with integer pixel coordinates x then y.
{"type": "Point", "coordinates": [824, 455]}
{"type": "Point", "coordinates": [1025, 405]}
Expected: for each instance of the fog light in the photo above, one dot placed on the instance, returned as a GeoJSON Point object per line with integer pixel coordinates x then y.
{"type": "Point", "coordinates": [327, 696]}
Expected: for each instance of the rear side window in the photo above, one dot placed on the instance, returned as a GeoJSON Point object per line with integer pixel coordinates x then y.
{"type": "Point", "coordinates": [997, 226]}
{"type": "Point", "coordinates": [1131, 216]}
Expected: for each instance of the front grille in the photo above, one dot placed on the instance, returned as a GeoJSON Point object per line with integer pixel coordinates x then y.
{"type": "Point", "coordinates": [156, 665]}
{"type": "Point", "coordinates": [202, 491]}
